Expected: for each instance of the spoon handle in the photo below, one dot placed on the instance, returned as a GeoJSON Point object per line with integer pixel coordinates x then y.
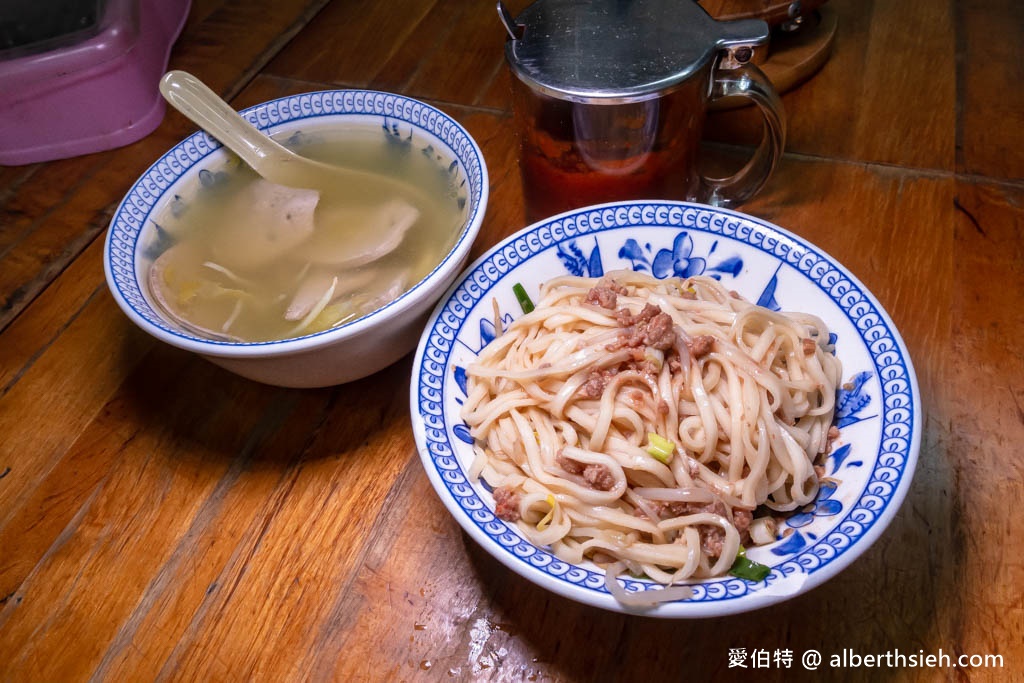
{"type": "Point", "coordinates": [205, 108]}
{"type": "Point", "coordinates": [268, 158]}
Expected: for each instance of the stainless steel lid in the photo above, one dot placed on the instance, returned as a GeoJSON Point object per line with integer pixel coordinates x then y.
{"type": "Point", "coordinates": [613, 51]}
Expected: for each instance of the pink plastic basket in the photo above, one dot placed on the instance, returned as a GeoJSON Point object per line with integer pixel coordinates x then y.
{"type": "Point", "coordinates": [97, 93]}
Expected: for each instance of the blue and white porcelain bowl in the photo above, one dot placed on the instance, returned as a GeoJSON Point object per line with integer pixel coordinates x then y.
{"type": "Point", "coordinates": [878, 410]}
{"type": "Point", "coordinates": [339, 355]}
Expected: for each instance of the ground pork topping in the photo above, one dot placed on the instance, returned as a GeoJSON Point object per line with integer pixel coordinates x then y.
{"type": "Point", "coordinates": [700, 345]}
{"type": "Point", "coordinates": [603, 297]}
{"type": "Point", "coordinates": [605, 293]}
{"type": "Point", "coordinates": [627, 319]}
{"type": "Point", "coordinates": [650, 327]}
{"type": "Point", "coordinates": [599, 477]}
{"type": "Point", "coordinates": [506, 502]}
{"type": "Point", "coordinates": [595, 383]}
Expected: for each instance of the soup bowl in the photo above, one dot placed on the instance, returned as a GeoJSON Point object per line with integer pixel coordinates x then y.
{"type": "Point", "coordinates": [341, 354]}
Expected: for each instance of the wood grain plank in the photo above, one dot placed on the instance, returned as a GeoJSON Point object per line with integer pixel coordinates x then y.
{"type": "Point", "coordinates": [990, 135]}
{"type": "Point", "coordinates": [11, 178]}
{"type": "Point", "coordinates": [890, 228]}
{"type": "Point", "coordinates": [199, 10]}
{"type": "Point", "coordinates": [448, 51]}
{"type": "Point", "coordinates": [62, 391]}
{"type": "Point", "coordinates": [861, 106]}
{"type": "Point", "coordinates": [465, 60]}
{"type": "Point", "coordinates": [237, 38]}
{"type": "Point", "coordinates": [51, 188]}
{"type": "Point", "coordinates": [986, 417]}
{"type": "Point", "coordinates": [27, 337]}
{"type": "Point", "coordinates": [506, 212]}
{"type": "Point", "coordinates": [101, 565]}
{"type": "Point", "coordinates": [427, 43]}
{"type": "Point", "coordinates": [498, 94]}
{"type": "Point", "coordinates": [225, 531]}
{"type": "Point", "coordinates": [350, 42]}
{"type": "Point", "coordinates": [310, 539]}
{"type": "Point", "coordinates": [59, 220]}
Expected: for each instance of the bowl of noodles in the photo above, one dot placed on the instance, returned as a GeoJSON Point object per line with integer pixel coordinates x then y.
{"type": "Point", "coordinates": [666, 408]}
{"type": "Point", "coordinates": [296, 286]}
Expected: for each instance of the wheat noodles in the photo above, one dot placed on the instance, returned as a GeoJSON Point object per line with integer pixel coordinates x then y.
{"type": "Point", "coordinates": [652, 426]}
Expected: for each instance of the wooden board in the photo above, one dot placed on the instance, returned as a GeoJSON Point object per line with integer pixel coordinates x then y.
{"type": "Point", "coordinates": [162, 519]}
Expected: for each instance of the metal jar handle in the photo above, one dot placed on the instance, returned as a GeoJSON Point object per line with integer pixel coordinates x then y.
{"type": "Point", "coordinates": [747, 81]}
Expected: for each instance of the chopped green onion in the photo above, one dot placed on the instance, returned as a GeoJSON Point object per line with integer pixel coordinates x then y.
{"type": "Point", "coordinates": [523, 297]}
{"type": "Point", "coordinates": [744, 568]}
{"type": "Point", "coordinates": [660, 447]}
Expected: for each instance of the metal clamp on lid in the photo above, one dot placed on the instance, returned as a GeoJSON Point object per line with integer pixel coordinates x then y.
{"type": "Point", "coordinates": [615, 51]}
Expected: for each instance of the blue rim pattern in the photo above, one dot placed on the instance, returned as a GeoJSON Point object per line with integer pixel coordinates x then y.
{"type": "Point", "coordinates": [893, 465]}
{"type": "Point", "coordinates": [129, 221]}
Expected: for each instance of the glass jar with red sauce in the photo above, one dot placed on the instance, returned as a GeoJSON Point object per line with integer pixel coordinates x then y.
{"type": "Point", "coordinates": [610, 97]}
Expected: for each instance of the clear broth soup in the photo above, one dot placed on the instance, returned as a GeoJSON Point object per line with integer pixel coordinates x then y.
{"type": "Point", "coordinates": [236, 258]}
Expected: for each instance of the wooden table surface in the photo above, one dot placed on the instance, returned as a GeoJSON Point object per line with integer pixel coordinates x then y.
{"type": "Point", "coordinates": [161, 518]}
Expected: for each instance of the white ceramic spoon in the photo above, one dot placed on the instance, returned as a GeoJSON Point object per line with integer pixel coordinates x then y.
{"type": "Point", "coordinates": [268, 158]}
